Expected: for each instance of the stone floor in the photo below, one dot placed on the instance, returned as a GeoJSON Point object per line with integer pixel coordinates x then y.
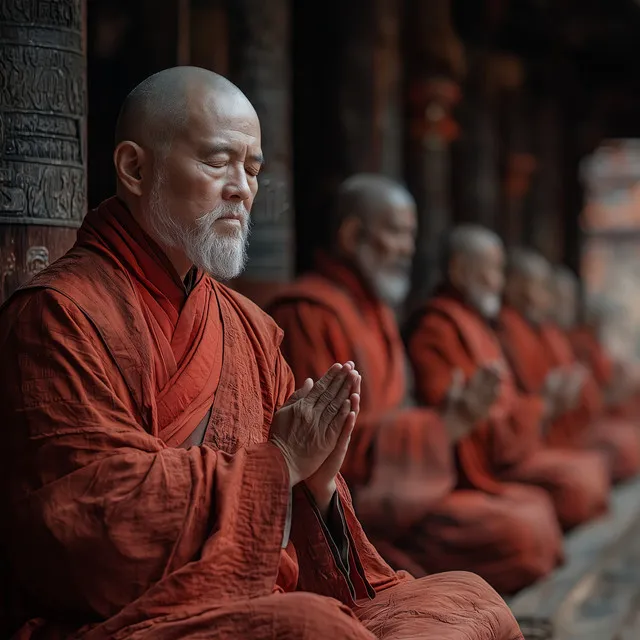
{"type": "Point", "coordinates": [596, 594]}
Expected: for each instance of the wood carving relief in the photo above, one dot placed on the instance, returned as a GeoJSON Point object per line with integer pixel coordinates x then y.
{"type": "Point", "coordinates": [42, 133]}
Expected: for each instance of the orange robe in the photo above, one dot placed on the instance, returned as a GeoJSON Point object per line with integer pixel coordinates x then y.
{"type": "Point", "coordinates": [531, 361]}
{"type": "Point", "coordinates": [591, 352]}
{"type": "Point", "coordinates": [533, 352]}
{"type": "Point", "coordinates": [111, 529]}
{"type": "Point", "coordinates": [448, 335]}
{"type": "Point", "coordinates": [618, 437]}
{"type": "Point", "coordinates": [400, 464]}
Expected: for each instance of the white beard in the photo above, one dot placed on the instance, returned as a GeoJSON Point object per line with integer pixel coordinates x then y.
{"type": "Point", "coordinates": [487, 304]}
{"type": "Point", "coordinates": [223, 256]}
{"type": "Point", "coordinates": [390, 285]}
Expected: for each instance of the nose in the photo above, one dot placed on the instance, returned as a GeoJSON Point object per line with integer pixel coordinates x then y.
{"type": "Point", "coordinates": [236, 186]}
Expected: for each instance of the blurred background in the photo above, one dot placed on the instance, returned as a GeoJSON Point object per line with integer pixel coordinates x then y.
{"type": "Point", "coordinates": [522, 115]}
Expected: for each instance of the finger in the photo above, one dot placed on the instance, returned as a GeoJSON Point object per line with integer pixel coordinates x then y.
{"type": "Point", "coordinates": [336, 424]}
{"type": "Point", "coordinates": [336, 457]}
{"type": "Point", "coordinates": [331, 393]}
{"type": "Point", "coordinates": [300, 393]}
{"type": "Point", "coordinates": [347, 429]}
{"type": "Point", "coordinates": [323, 383]}
{"type": "Point", "coordinates": [335, 406]}
{"type": "Point", "coordinates": [357, 387]}
{"type": "Point", "coordinates": [355, 403]}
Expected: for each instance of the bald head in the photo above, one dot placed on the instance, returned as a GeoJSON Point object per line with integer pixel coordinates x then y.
{"type": "Point", "coordinates": [160, 106]}
{"type": "Point", "coordinates": [527, 263]}
{"type": "Point", "coordinates": [474, 266]}
{"type": "Point", "coordinates": [369, 196]}
{"type": "Point", "coordinates": [187, 157]}
{"type": "Point", "coordinates": [374, 227]}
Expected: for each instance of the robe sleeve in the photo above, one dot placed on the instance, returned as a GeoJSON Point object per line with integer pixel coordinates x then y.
{"type": "Point", "coordinates": [95, 509]}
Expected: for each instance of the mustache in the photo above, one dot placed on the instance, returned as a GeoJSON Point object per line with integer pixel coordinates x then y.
{"type": "Point", "coordinates": [225, 209]}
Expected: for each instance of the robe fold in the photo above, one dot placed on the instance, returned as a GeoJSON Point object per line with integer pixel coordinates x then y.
{"type": "Point", "coordinates": [399, 465]}
{"type": "Point", "coordinates": [447, 335]}
{"type": "Point", "coordinates": [110, 528]}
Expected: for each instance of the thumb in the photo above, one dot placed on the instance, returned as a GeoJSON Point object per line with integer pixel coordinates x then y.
{"type": "Point", "coordinates": [300, 393]}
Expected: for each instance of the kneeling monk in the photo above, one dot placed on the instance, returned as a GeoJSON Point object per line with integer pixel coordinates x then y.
{"type": "Point", "coordinates": [399, 465]}
{"type": "Point", "coordinates": [456, 330]}
{"type": "Point", "coordinates": [151, 439]}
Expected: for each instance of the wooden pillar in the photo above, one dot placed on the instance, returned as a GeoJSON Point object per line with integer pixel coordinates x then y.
{"type": "Point", "coordinates": [544, 217]}
{"type": "Point", "coordinates": [348, 97]}
{"type": "Point", "coordinates": [42, 134]}
{"type": "Point", "coordinates": [476, 160]}
{"type": "Point", "coordinates": [435, 61]}
{"type": "Point", "coordinates": [518, 165]}
{"type": "Point", "coordinates": [259, 63]}
{"type": "Point", "coordinates": [210, 35]}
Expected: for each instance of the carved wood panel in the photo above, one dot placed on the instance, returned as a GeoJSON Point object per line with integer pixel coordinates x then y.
{"type": "Point", "coordinates": [42, 131]}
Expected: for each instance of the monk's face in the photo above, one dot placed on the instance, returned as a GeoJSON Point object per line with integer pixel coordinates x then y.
{"type": "Point", "coordinates": [385, 250]}
{"type": "Point", "coordinates": [204, 186]}
{"type": "Point", "coordinates": [530, 295]}
{"type": "Point", "coordinates": [480, 277]}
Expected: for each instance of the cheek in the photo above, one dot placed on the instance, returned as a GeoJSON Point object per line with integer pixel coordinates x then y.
{"type": "Point", "coordinates": [194, 185]}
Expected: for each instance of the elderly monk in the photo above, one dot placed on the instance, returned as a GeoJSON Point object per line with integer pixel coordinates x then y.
{"type": "Point", "coordinates": [400, 464]}
{"type": "Point", "coordinates": [456, 330]}
{"type": "Point", "coordinates": [160, 480]}
{"type": "Point", "coordinates": [541, 355]}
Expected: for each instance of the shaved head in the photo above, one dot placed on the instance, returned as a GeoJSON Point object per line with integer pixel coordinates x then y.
{"type": "Point", "coordinates": [470, 240]}
{"type": "Point", "coordinates": [367, 196]}
{"type": "Point", "coordinates": [528, 263]}
{"type": "Point", "coordinates": [374, 227]}
{"type": "Point", "coordinates": [474, 266]}
{"type": "Point", "coordinates": [158, 108]}
{"type": "Point", "coordinates": [187, 156]}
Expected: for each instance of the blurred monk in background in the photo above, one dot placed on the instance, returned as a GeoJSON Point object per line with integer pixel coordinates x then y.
{"type": "Point", "coordinates": [456, 330]}
{"type": "Point", "coordinates": [541, 355]}
{"type": "Point", "coordinates": [160, 477]}
{"type": "Point", "coordinates": [586, 325]}
{"type": "Point", "coordinates": [399, 465]}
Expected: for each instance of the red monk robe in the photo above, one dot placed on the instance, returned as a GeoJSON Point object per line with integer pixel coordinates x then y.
{"type": "Point", "coordinates": [448, 335]}
{"type": "Point", "coordinates": [399, 463]}
{"type": "Point", "coordinates": [591, 352]}
{"type": "Point", "coordinates": [618, 437]}
{"type": "Point", "coordinates": [533, 352]}
{"type": "Point", "coordinates": [111, 530]}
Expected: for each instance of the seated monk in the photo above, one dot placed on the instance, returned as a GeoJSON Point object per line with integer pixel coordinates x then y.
{"type": "Point", "coordinates": [399, 465]}
{"type": "Point", "coordinates": [160, 480]}
{"type": "Point", "coordinates": [543, 362]}
{"type": "Point", "coordinates": [618, 381]}
{"type": "Point", "coordinates": [456, 330]}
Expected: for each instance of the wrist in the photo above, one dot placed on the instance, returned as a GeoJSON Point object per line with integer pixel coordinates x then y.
{"type": "Point", "coordinates": [322, 494]}
{"type": "Point", "coordinates": [294, 475]}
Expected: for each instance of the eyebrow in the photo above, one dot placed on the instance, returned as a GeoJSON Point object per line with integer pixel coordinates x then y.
{"type": "Point", "coordinates": [225, 148]}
